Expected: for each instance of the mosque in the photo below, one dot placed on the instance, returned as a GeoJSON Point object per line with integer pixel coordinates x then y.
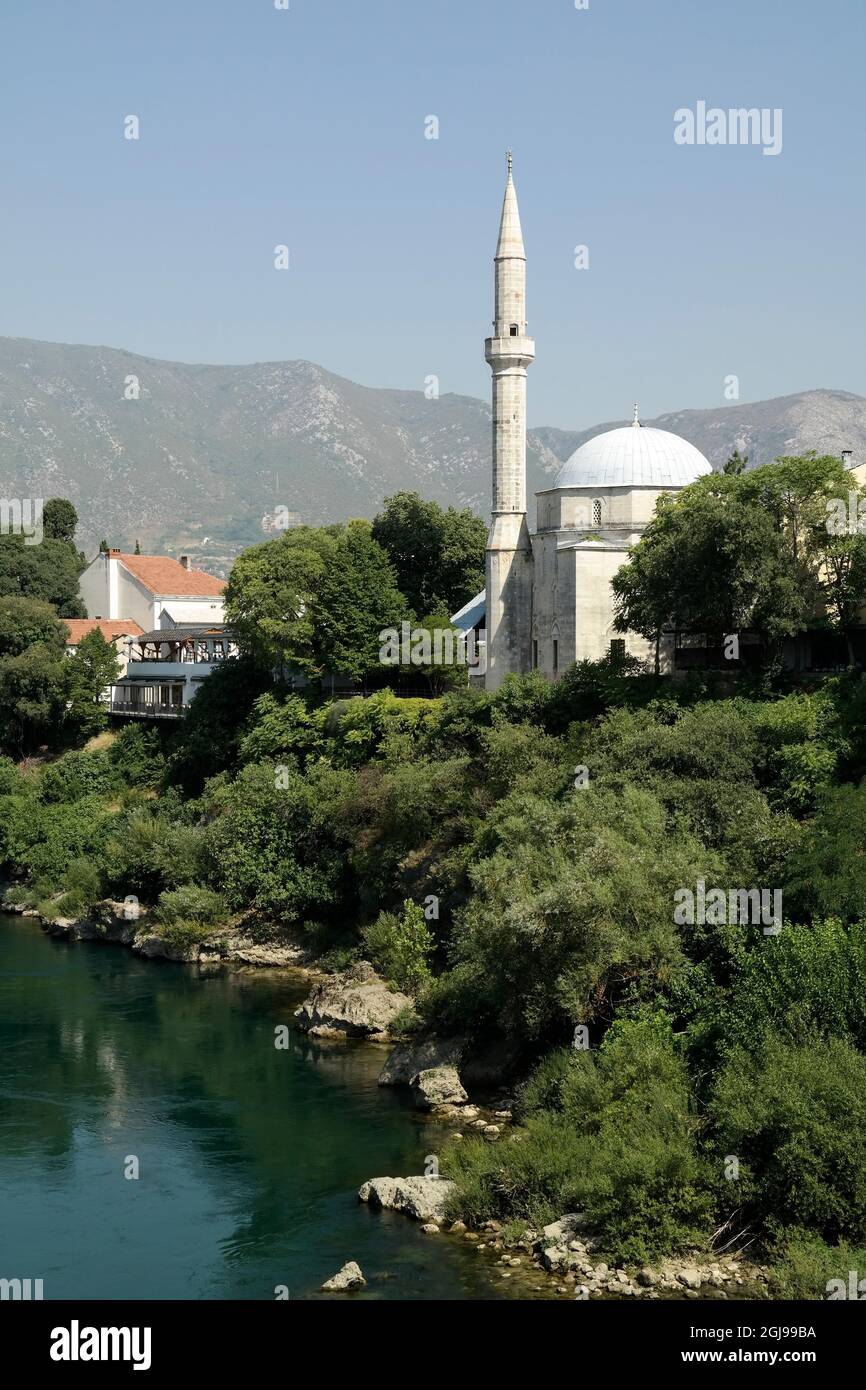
{"type": "Point", "coordinates": [547, 600]}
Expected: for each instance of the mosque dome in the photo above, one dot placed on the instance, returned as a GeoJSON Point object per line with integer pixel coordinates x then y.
{"type": "Point", "coordinates": [633, 457]}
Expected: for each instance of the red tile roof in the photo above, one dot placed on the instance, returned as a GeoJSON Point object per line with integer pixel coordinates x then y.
{"type": "Point", "coordinates": [161, 575]}
{"type": "Point", "coordinates": [109, 627]}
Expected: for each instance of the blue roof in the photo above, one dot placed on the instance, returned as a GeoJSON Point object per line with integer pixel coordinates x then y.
{"type": "Point", "coordinates": [471, 614]}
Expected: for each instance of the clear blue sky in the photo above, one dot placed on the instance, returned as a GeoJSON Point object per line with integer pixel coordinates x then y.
{"type": "Point", "coordinates": [306, 127]}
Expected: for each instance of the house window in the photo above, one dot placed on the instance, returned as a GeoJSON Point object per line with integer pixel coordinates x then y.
{"type": "Point", "coordinates": [555, 656]}
{"type": "Point", "coordinates": [514, 328]}
{"type": "Point", "coordinates": [596, 512]}
{"type": "Point", "coordinates": [535, 656]}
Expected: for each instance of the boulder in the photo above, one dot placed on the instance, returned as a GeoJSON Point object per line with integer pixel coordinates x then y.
{"type": "Point", "coordinates": [424, 1199]}
{"type": "Point", "coordinates": [356, 1004]}
{"type": "Point", "coordinates": [346, 1279]}
{"type": "Point", "coordinates": [106, 921]}
{"type": "Point", "coordinates": [437, 1086]}
{"type": "Point", "coordinates": [554, 1258]}
{"type": "Point", "coordinates": [409, 1059]}
{"type": "Point", "coordinates": [156, 947]}
{"type": "Point", "coordinates": [690, 1277]}
{"type": "Point", "coordinates": [565, 1229]}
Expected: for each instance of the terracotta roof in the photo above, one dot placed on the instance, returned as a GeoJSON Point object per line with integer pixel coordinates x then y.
{"type": "Point", "coordinates": [164, 576]}
{"type": "Point", "coordinates": [109, 627]}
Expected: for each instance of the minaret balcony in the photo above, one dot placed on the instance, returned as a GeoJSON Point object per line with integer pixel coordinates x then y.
{"type": "Point", "coordinates": [516, 351]}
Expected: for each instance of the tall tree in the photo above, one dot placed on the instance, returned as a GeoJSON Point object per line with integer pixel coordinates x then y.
{"type": "Point", "coordinates": [714, 561]}
{"type": "Point", "coordinates": [92, 669]}
{"type": "Point", "coordinates": [59, 519]}
{"type": "Point", "coordinates": [50, 569]}
{"type": "Point", "coordinates": [357, 597]}
{"type": "Point", "coordinates": [270, 595]}
{"type": "Point", "coordinates": [437, 554]}
{"type": "Point", "coordinates": [34, 674]}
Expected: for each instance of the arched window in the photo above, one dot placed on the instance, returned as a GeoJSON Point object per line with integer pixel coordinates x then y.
{"type": "Point", "coordinates": [596, 512]}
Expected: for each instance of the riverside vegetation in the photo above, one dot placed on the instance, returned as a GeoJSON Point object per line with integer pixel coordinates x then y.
{"type": "Point", "coordinates": [721, 1103]}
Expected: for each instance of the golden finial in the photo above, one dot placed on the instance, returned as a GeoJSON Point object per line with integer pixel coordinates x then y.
{"type": "Point", "coordinates": [508, 157]}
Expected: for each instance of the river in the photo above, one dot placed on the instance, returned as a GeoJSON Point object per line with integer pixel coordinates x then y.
{"type": "Point", "coordinates": [249, 1157]}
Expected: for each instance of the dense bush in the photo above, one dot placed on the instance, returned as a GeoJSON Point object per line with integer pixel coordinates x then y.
{"type": "Point", "coordinates": [79, 774]}
{"type": "Point", "coordinates": [574, 904]}
{"type": "Point", "coordinates": [794, 1114]}
{"type": "Point", "coordinates": [399, 945]}
{"type": "Point", "coordinates": [609, 1133]}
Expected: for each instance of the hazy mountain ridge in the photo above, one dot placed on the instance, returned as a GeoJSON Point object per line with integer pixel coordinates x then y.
{"type": "Point", "coordinates": [207, 451]}
{"type": "Point", "coordinates": [824, 420]}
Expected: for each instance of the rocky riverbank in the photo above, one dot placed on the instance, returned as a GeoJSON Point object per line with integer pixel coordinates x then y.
{"type": "Point", "coordinates": [444, 1077]}
{"type": "Point", "coordinates": [244, 941]}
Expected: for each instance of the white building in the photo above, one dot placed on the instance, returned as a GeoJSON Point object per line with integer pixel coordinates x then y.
{"type": "Point", "coordinates": [152, 589]}
{"type": "Point", "coordinates": [548, 600]}
{"type": "Point", "coordinates": [177, 637]}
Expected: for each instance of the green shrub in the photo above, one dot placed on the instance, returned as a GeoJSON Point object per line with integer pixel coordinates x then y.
{"type": "Point", "coordinates": [609, 1133]}
{"type": "Point", "coordinates": [574, 906]}
{"type": "Point", "coordinates": [399, 946]}
{"type": "Point", "coordinates": [137, 754]}
{"type": "Point", "coordinates": [804, 1267]}
{"type": "Point", "coordinates": [826, 875]}
{"type": "Point", "coordinates": [807, 982]}
{"type": "Point", "coordinates": [190, 904]}
{"type": "Point", "coordinates": [78, 774]}
{"type": "Point", "coordinates": [272, 845]}
{"type": "Point", "coordinates": [795, 1116]}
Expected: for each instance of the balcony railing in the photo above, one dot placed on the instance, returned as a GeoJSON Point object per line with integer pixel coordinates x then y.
{"type": "Point", "coordinates": [128, 710]}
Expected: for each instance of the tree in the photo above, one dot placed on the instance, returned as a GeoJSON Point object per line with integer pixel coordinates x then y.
{"type": "Point", "coordinates": [714, 560]}
{"type": "Point", "coordinates": [736, 464]}
{"type": "Point", "coordinates": [572, 907]}
{"type": "Point", "coordinates": [437, 555]}
{"type": "Point", "coordinates": [34, 674]}
{"type": "Point", "coordinates": [356, 599]}
{"type": "Point", "coordinates": [49, 571]}
{"type": "Point", "coordinates": [808, 497]}
{"type": "Point", "coordinates": [27, 622]}
{"type": "Point", "coordinates": [92, 668]}
{"type": "Point", "coordinates": [59, 520]}
{"type": "Point", "coordinates": [448, 650]}
{"type": "Point", "coordinates": [270, 595]}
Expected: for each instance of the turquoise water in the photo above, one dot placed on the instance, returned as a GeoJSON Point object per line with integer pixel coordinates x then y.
{"type": "Point", "coordinates": [249, 1158]}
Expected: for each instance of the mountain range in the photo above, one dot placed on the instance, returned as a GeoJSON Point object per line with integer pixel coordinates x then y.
{"type": "Point", "coordinates": [203, 459]}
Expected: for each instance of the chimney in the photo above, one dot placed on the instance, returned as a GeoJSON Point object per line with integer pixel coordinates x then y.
{"type": "Point", "coordinates": [848, 458]}
{"type": "Point", "coordinates": [184, 560]}
{"type": "Point", "coordinates": [113, 551]}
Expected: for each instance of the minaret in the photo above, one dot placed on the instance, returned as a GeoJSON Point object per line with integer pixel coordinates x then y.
{"type": "Point", "coordinates": [509, 564]}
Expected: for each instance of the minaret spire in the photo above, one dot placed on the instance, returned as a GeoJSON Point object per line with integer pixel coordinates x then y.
{"type": "Point", "coordinates": [509, 563]}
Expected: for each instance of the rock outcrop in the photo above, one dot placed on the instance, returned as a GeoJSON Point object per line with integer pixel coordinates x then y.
{"type": "Point", "coordinates": [437, 1086]}
{"type": "Point", "coordinates": [346, 1279]}
{"type": "Point", "coordinates": [357, 1004]}
{"type": "Point", "coordinates": [410, 1058]}
{"type": "Point", "coordinates": [106, 921]}
{"type": "Point", "coordinates": [424, 1199]}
